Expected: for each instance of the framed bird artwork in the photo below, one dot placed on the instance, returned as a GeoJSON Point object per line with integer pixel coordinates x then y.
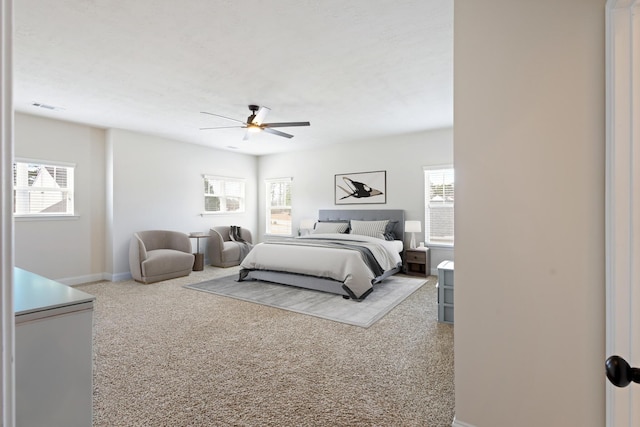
{"type": "Point", "coordinates": [361, 188]}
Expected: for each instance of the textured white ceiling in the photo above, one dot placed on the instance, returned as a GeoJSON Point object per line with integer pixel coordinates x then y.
{"type": "Point", "coordinates": [356, 69]}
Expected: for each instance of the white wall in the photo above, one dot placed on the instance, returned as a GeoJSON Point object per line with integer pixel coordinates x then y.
{"type": "Point", "coordinates": [125, 182]}
{"type": "Point", "coordinates": [529, 156]}
{"type": "Point", "coordinates": [158, 184]}
{"type": "Point", "coordinates": [70, 249]}
{"type": "Point", "coordinates": [403, 157]}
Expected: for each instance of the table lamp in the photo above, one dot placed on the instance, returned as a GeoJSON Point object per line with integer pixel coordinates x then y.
{"type": "Point", "coordinates": [412, 227]}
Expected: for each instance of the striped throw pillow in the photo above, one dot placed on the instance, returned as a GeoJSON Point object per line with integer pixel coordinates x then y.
{"type": "Point", "coordinates": [330, 227]}
{"type": "Point", "coordinates": [369, 228]}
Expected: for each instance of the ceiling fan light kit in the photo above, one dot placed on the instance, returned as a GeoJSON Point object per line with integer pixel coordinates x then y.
{"type": "Point", "coordinates": [255, 123]}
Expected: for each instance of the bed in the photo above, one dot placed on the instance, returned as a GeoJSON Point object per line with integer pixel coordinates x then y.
{"type": "Point", "coordinates": [345, 264]}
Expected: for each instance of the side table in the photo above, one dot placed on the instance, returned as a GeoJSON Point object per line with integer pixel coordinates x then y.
{"type": "Point", "coordinates": [418, 261]}
{"type": "Point", "coordinates": [198, 263]}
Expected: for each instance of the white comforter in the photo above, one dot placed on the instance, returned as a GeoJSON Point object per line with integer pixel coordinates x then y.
{"type": "Point", "coordinates": [343, 265]}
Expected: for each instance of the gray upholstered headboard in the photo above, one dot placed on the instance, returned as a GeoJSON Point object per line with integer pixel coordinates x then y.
{"type": "Point", "coordinates": [366, 215]}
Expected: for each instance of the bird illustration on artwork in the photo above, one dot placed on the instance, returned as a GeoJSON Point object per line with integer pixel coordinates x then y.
{"type": "Point", "coordinates": [358, 189]}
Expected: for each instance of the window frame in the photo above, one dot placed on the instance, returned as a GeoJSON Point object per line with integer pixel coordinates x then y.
{"type": "Point", "coordinates": [69, 190]}
{"type": "Point", "coordinates": [223, 203]}
{"type": "Point", "coordinates": [269, 206]}
{"type": "Point", "coordinates": [428, 207]}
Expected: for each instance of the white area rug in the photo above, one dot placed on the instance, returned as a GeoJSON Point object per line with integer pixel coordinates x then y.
{"type": "Point", "coordinates": [385, 296]}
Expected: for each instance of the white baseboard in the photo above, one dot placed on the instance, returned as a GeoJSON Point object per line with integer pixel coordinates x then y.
{"type": "Point", "coordinates": [120, 277]}
{"type": "Point", "coordinates": [457, 423]}
{"type": "Point", "coordinates": [80, 280]}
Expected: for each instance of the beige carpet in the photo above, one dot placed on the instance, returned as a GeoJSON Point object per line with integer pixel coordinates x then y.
{"type": "Point", "coordinates": [169, 356]}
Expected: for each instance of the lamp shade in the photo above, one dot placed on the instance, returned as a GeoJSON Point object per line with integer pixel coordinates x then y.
{"type": "Point", "coordinates": [412, 226]}
{"type": "Point", "coordinates": [307, 224]}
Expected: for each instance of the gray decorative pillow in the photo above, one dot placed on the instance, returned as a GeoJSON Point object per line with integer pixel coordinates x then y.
{"type": "Point", "coordinates": [369, 228]}
{"type": "Point", "coordinates": [330, 227]}
{"type": "Point", "coordinates": [389, 233]}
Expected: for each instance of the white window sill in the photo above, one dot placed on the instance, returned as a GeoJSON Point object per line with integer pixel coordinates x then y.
{"type": "Point", "coordinates": [439, 245]}
{"type": "Point", "coordinates": [221, 213]}
{"type": "Point", "coordinates": [45, 217]}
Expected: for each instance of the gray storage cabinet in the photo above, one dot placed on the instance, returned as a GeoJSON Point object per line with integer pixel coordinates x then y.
{"type": "Point", "coordinates": [445, 292]}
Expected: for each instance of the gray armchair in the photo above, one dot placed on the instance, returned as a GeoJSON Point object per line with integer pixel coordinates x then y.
{"type": "Point", "coordinates": [156, 255]}
{"type": "Point", "coordinates": [224, 252]}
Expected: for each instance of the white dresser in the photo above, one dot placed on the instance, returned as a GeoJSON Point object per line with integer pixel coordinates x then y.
{"type": "Point", "coordinates": [53, 353]}
{"type": "Point", "coordinates": [445, 292]}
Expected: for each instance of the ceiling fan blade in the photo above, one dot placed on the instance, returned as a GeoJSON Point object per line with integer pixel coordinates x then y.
{"type": "Point", "coordinates": [246, 135]}
{"type": "Point", "coordinates": [284, 124]}
{"type": "Point", "coordinates": [225, 127]}
{"type": "Point", "coordinates": [260, 115]}
{"type": "Point", "coordinates": [224, 117]}
{"type": "Point", "coordinates": [277, 132]}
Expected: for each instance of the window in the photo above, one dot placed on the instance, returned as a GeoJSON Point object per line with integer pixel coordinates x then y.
{"type": "Point", "coordinates": [439, 201]}
{"type": "Point", "coordinates": [42, 188]}
{"type": "Point", "coordinates": [223, 194]}
{"type": "Point", "coordinates": [278, 197]}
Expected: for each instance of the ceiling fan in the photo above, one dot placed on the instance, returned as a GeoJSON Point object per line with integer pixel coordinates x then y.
{"type": "Point", "coordinates": [255, 123]}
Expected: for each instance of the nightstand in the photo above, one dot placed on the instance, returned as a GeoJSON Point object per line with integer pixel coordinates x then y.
{"type": "Point", "coordinates": [418, 262]}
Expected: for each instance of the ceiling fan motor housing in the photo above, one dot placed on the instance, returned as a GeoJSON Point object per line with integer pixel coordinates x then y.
{"type": "Point", "coordinates": [254, 109]}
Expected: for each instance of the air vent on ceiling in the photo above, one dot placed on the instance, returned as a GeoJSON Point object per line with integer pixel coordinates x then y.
{"type": "Point", "coordinates": [47, 107]}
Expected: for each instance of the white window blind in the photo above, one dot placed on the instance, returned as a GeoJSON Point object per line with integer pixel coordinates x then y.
{"type": "Point", "coordinates": [439, 205]}
{"type": "Point", "coordinates": [42, 188]}
{"type": "Point", "coordinates": [278, 209]}
{"type": "Point", "coordinates": [222, 194]}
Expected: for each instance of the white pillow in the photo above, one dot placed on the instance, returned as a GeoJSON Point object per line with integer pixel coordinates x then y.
{"type": "Point", "coordinates": [330, 227]}
{"type": "Point", "coordinates": [369, 228]}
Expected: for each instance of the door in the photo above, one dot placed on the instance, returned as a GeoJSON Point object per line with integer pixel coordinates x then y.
{"type": "Point", "coordinates": [623, 208]}
{"type": "Point", "coordinates": [7, 401]}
